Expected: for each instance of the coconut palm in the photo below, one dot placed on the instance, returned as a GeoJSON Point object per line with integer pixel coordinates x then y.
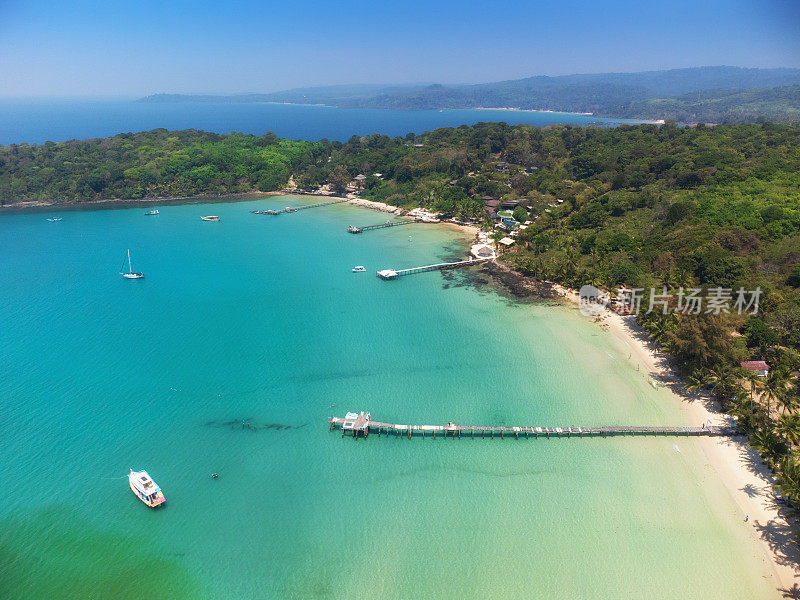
{"type": "Point", "coordinates": [774, 387]}
{"type": "Point", "coordinates": [789, 427]}
{"type": "Point", "coordinates": [789, 478]}
{"type": "Point", "coordinates": [754, 379]}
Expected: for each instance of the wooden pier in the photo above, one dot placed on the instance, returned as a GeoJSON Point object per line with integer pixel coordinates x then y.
{"type": "Point", "coordinates": [361, 229]}
{"type": "Point", "coordinates": [291, 209]}
{"type": "Point", "coordinates": [360, 424]}
{"type": "Point", "coordinates": [387, 274]}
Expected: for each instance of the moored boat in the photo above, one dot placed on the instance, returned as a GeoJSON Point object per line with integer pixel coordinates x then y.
{"type": "Point", "coordinates": [54, 219]}
{"type": "Point", "coordinates": [359, 269]}
{"type": "Point", "coordinates": [152, 212]}
{"type": "Point", "coordinates": [129, 274]}
{"type": "Point", "coordinates": [145, 488]}
{"type": "Point", "coordinates": [210, 218]}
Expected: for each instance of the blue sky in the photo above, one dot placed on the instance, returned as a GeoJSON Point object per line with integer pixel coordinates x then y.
{"type": "Point", "coordinates": [139, 47]}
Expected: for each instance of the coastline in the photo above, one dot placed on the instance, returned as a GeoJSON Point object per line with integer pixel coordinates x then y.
{"type": "Point", "coordinates": [739, 467]}
{"type": "Point", "coordinates": [43, 206]}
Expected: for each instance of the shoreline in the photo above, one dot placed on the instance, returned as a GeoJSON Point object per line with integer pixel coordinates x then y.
{"type": "Point", "coordinates": [738, 466]}
{"type": "Point", "coordinates": [43, 206]}
{"type": "Point", "coordinates": [740, 469]}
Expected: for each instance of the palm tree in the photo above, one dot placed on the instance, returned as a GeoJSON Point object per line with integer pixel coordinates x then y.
{"type": "Point", "coordinates": [789, 427]}
{"type": "Point", "coordinates": [754, 379]}
{"type": "Point", "coordinates": [789, 478]}
{"type": "Point", "coordinates": [774, 387]}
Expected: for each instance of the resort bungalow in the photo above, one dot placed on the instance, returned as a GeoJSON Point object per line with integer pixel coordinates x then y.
{"type": "Point", "coordinates": [502, 167]}
{"type": "Point", "coordinates": [759, 366]}
{"type": "Point", "coordinates": [360, 179]}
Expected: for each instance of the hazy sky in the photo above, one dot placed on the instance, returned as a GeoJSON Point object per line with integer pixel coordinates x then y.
{"type": "Point", "coordinates": [139, 47]}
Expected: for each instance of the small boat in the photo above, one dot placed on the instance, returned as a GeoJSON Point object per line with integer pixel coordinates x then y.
{"type": "Point", "coordinates": [257, 212]}
{"type": "Point", "coordinates": [54, 219]}
{"type": "Point", "coordinates": [272, 212]}
{"type": "Point", "coordinates": [145, 488]}
{"type": "Point", "coordinates": [210, 218]}
{"type": "Point", "coordinates": [130, 274]}
{"type": "Point", "coordinates": [152, 212]}
{"type": "Point", "coordinates": [359, 269]}
{"type": "Point", "coordinates": [289, 209]}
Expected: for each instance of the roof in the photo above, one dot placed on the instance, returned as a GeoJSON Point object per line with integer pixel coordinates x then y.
{"type": "Point", "coordinates": [755, 365]}
{"type": "Point", "coordinates": [360, 177]}
{"type": "Point", "coordinates": [506, 241]}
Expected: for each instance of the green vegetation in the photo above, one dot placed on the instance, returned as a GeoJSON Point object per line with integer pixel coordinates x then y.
{"type": "Point", "coordinates": [644, 206]}
{"type": "Point", "coordinates": [157, 163]}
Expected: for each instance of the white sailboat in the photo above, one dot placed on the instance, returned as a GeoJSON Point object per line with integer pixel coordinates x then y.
{"type": "Point", "coordinates": [130, 274]}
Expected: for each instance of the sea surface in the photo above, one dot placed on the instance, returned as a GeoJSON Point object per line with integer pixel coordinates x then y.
{"type": "Point", "coordinates": [40, 120]}
{"type": "Point", "coordinates": [259, 318]}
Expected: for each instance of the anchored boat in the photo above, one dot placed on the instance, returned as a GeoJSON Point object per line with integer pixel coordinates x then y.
{"type": "Point", "coordinates": [359, 269]}
{"type": "Point", "coordinates": [210, 218]}
{"type": "Point", "coordinates": [145, 488]}
{"type": "Point", "coordinates": [130, 274]}
{"type": "Point", "coordinates": [152, 212]}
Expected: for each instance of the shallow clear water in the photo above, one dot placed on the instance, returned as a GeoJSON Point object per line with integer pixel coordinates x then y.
{"type": "Point", "coordinates": [40, 120]}
{"type": "Point", "coordinates": [260, 318]}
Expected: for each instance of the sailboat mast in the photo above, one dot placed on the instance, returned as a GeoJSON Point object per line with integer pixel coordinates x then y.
{"type": "Point", "coordinates": [130, 268]}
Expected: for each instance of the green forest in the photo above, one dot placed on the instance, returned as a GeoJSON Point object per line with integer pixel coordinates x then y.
{"type": "Point", "coordinates": [645, 206]}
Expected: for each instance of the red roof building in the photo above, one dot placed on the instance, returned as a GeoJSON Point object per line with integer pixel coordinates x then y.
{"type": "Point", "coordinates": [759, 366]}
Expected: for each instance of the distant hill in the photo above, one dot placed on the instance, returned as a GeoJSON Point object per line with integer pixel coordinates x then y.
{"type": "Point", "coordinates": [711, 94]}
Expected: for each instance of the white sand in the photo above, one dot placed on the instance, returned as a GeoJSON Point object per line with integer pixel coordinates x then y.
{"type": "Point", "coordinates": [741, 470]}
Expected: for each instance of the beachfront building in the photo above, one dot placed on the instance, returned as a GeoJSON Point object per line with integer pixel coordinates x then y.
{"type": "Point", "coordinates": [482, 250]}
{"type": "Point", "coordinates": [759, 366]}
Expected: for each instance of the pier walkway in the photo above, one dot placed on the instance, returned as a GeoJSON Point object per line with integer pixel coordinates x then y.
{"type": "Point", "coordinates": [361, 229]}
{"type": "Point", "coordinates": [387, 274]}
{"type": "Point", "coordinates": [357, 424]}
{"type": "Point", "coordinates": [291, 209]}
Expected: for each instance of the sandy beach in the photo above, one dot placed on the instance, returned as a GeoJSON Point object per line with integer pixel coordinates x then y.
{"type": "Point", "coordinates": [742, 471]}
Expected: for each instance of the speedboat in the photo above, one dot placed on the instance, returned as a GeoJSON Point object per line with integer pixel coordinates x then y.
{"type": "Point", "coordinates": [54, 219]}
{"type": "Point", "coordinates": [210, 218]}
{"type": "Point", "coordinates": [145, 488]}
{"type": "Point", "coordinates": [359, 269]}
{"type": "Point", "coordinates": [152, 212]}
{"type": "Point", "coordinates": [289, 209]}
{"type": "Point", "coordinates": [129, 274]}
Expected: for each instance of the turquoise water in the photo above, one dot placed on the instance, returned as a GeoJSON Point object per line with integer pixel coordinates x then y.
{"type": "Point", "coordinates": [40, 120]}
{"type": "Point", "coordinates": [260, 318]}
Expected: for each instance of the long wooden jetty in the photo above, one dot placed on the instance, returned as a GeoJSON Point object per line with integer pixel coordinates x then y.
{"type": "Point", "coordinates": [361, 424]}
{"type": "Point", "coordinates": [291, 209]}
{"type": "Point", "coordinates": [387, 274]}
{"type": "Point", "coordinates": [363, 228]}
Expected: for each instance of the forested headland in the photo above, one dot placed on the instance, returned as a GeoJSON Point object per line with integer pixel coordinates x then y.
{"type": "Point", "coordinates": [701, 94]}
{"type": "Point", "coordinates": [645, 206]}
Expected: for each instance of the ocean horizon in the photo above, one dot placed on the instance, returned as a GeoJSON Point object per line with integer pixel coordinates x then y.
{"type": "Point", "coordinates": [230, 356]}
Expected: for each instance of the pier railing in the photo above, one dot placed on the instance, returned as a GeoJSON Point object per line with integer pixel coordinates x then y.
{"type": "Point", "coordinates": [362, 425]}
{"type": "Point", "coordinates": [362, 228]}
{"type": "Point", "coordinates": [387, 274]}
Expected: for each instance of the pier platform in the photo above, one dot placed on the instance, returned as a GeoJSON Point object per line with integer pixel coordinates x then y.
{"type": "Point", "coordinates": [360, 424]}
{"type": "Point", "coordinates": [387, 274]}
{"type": "Point", "coordinates": [363, 228]}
